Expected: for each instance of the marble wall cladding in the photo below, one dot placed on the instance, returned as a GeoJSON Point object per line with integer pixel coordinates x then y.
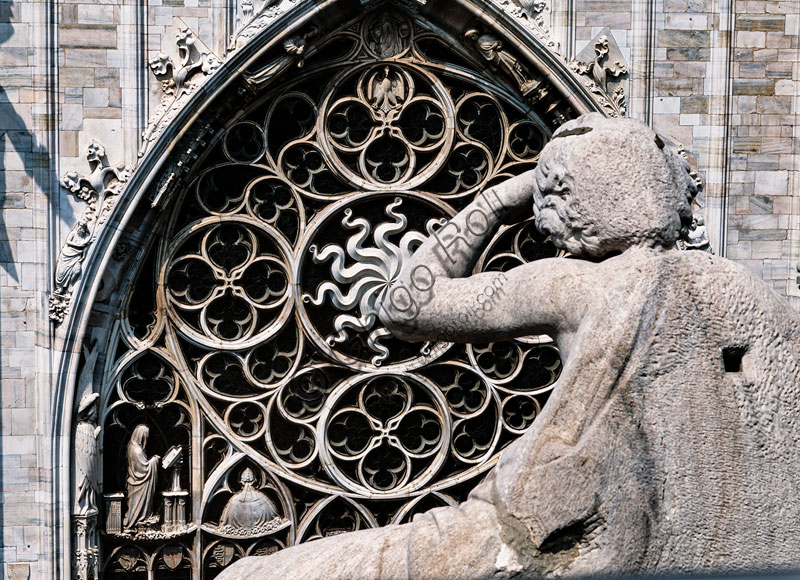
{"type": "Point", "coordinates": [720, 76]}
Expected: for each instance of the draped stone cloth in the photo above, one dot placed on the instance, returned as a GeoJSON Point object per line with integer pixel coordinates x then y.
{"type": "Point", "coordinates": [248, 509]}
{"type": "Point", "coordinates": [85, 468]}
{"type": "Point", "coordinates": [142, 479]}
{"type": "Point", "coordinates": [650, 456]}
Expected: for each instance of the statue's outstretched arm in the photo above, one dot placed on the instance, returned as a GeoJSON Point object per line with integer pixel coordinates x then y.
{"type": "Point", "coordinates": [434, 298]}
{"type": "Point", "coordinates": [446, 543]}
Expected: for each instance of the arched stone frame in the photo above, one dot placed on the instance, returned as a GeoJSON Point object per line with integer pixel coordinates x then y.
{"type": "Point", "coordinates": [172, 147]}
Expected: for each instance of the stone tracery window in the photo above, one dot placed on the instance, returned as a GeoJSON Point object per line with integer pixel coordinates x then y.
{"type": "Point", "coordinates": [281, 410]}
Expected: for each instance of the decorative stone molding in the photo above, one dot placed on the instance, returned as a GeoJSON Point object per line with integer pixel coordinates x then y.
{"type": "Point", "coordinates": [173, 175]}
{"type": "Point", "coordinates": [602, 65]}
{"type": "Point", "coordinates": [259, 20]}
{"type": "Point", "coordinates": [178, 80]}
{"type": "Point", "coordinates": [531, 15]}
{"type": "Point", "coordinates": [100, 190]}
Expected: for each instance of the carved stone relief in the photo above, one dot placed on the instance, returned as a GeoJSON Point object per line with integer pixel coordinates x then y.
{"type": "Point", "coordinates": [100, 190]}
{"type": "Point", "coordinates": [255, 401]}
{"type": "Point", "coordinates": [86, 482]}
{"type": "Point", "coordinates": [294, 48]}
{"type": "Point", "coordinates": [178, 79]}
{"type": "Point", "coordinates": [602, 64]}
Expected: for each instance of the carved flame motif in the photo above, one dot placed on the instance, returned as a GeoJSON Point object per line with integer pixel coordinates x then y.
{"type": "Point", "coordinates": [374, 272]}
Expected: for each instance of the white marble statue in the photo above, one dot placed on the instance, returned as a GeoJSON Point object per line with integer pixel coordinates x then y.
{"type": "Point", "coordinates": [86, 434]}
{"type": "Point", "coordinates": [671, 440]}
{"type": "Point", "coordinates": [141, 482]}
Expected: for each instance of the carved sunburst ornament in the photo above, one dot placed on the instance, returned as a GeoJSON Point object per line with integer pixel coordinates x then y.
{"type": "Point", "coordinates": [375, 269]}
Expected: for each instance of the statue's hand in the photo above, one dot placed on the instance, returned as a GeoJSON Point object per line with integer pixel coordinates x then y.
{"type": "Point", "coordinates": [515, 195]}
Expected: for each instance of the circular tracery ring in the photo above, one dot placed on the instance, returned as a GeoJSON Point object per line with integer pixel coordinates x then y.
{"type": "Point", "coordinates": [228, 285]}
{"type": "Point", "coordinates": [364, 267]}
{"type": "Point", "coordinates": [384, 434]}
{"type": "Point", "coordinates": [394, 132]}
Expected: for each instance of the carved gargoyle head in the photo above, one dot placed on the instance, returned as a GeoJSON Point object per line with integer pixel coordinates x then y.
{"type": "Point", "coordinates": [95, 152]}
{"type": "Point", "coordinates": [605, 185]}
{"type": "Point", "coordinates": [601, 46]}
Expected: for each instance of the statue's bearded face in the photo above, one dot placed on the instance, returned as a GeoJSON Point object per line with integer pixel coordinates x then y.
{"type": "Point", "coordinates": [557, 209]}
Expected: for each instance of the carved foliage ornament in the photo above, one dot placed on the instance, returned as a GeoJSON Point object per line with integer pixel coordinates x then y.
{"type": "Point", "coordinates": [179, 79]}
{"type": "Point", "coordinates": [604, 68]}
{"type": "Point", "coordinates": [250, 340]}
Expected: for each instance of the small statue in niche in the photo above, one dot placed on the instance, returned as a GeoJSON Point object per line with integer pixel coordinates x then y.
{"type": "Point", "coordinates": [491, 48]}
{"type": "Point", "coordinates": [141, 482]}
{"type": "Point", "coordinates": [86, 435]}
{"type": "Point", "coordinates": [697, 236]}
{"type": "Point", "coordinates": [69, 263]}
{"type": "Point", "coordinates": [248, 511]}
{"type": "Point", "coordinates": [86, 456]}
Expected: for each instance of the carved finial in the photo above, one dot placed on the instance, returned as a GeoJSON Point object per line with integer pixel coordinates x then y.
{"type": "Point", "coordinates": [602, 63]}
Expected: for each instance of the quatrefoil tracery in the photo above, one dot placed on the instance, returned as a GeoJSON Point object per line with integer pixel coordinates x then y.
{"type": "Point", "coordinates": [394, 133]}
{"type": "Point", "coordinates": [232, 288]}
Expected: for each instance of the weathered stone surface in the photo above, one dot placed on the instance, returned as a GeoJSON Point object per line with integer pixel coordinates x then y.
{"type": "Point", "coordinates": [671, 438]}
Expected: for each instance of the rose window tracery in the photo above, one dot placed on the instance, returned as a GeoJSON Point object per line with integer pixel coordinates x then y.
{"type": "Point", "coordinates": [251, 346]}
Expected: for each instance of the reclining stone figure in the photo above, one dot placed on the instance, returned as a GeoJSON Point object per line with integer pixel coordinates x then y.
{"type": "Point", "coordinates": [671, 442]}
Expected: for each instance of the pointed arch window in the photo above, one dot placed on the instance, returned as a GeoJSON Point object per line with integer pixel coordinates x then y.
{"type": "Point", "coordinates": [252, 400]}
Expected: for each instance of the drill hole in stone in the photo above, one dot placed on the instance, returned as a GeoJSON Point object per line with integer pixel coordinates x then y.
{"type": "Point", "coordinates": [732, 358]}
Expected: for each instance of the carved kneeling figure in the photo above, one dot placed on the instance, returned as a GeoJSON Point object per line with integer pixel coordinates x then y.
{"type": "Point", "coordinates": [671, 440]}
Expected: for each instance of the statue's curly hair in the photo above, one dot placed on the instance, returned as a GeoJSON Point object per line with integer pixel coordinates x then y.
{"type": "Point", "coordinates": [622, 184]}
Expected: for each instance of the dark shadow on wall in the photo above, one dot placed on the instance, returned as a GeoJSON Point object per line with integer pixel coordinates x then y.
{"type": "Point", "coordinates": [37, 161]}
